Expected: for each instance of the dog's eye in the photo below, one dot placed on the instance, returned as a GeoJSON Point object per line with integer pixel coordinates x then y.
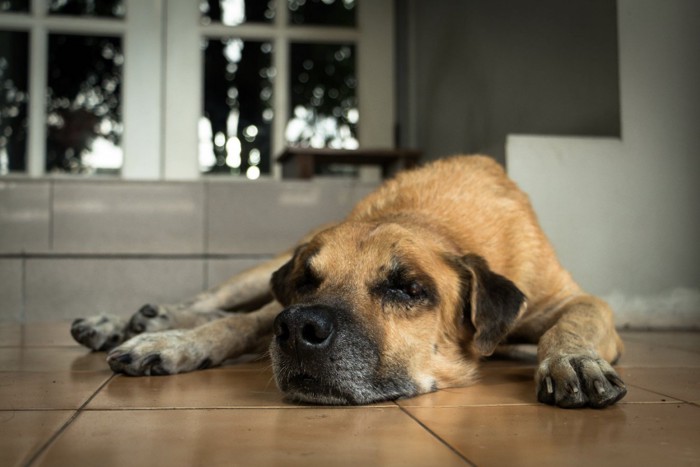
{"type": "Point", "coordinates": [413, 290]}
{"type": "Point", "coordinates": [410, 291]}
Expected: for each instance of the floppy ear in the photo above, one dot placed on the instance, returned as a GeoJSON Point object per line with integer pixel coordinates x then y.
{"type": "Point", "coordinates": [294, 275]}
{"type": "Point", "coordinates": [281, 284]}
{"type": "Point", "coordinates": [491, 303]}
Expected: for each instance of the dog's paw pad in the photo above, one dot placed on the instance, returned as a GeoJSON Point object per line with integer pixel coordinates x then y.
{"type": "Point", "coordinates": [103, 332]}
{"type": "Point", "coordinates": [578, 381]}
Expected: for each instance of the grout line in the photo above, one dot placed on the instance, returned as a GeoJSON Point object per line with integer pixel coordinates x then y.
{"type": "Point", "coordinates": [117, 256]}
{"type": "Point", "coordinates": [162, 114]}
{"type": "Point", "coordinates": [234, 408]}
{"type": "Point", "coordinates": [205, 233]}
{"type": "Point", "coordinates": [435, 435]}
{"type": "Point", "coordinates": [65, 426]}
{"type": "Point", "coordinates": [51, 214]}
{"type": "Point", "coordinates": [675, 400]}
{"type": "Point", "coordinates": [23, 293]}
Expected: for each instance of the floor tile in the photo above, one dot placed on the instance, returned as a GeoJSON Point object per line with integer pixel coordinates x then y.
{"type": "Point", "coordinates": [507, 386]}
{"type": "Point", "coordinates": [202, 389]}
{"type": "Point", "coordinates": [649, 354]}
{"type": "Point", "coordinates": [48, 333]}
{"type": "Point", "coordinates": [677, 340]}
{"type": "Point", "coordinates": [627, 434]}
{"type": "Point", "coordinates": [51, 359]}
{"type": "Point", "coordinates": [48, 390]}
{"type": "Point", "coordinates": [22, 433]}
{"type": "Point", "coordinates": [262, 437]}
{"type": "Point", "coordinates": [245, 385]}
{"type": "Point", "coordinates": [680, 383]}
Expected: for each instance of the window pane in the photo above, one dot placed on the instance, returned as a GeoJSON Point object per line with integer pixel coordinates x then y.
{"type": "Point", "coordinates": [235, 130]}
{"type": "Point", "coordinates": [323, 12]}
{"type": "Point", "coordinates": [13, 100]}
{"type": "Point", "coordinates": [14, 5]}
{"type": "Point", "coordinates": [323, 96]}
{"type": "Point", "coordinates": [234, 12]}
{"type": "Point", "coordinates": [84, 104]}
{"type": "Point", "coordinates": [100, 8]}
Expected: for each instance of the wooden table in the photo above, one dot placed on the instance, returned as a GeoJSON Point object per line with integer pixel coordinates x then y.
{"type": "Point", "coordinates": [302, 162]}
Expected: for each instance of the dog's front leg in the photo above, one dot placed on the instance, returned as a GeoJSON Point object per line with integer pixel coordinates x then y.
{"type": "Point", "coordinates": [183, 350]}
{"type": "Point", "coordinates": [247, 290]}
{"type": "Point", "coordinates": [575, 355]}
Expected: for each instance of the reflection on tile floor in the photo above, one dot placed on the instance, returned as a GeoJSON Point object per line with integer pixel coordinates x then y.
{"type": "Point", "coordinates": [60, 405]}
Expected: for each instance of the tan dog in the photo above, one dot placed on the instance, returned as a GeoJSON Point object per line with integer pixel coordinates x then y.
{"type": "Point", "coordinates": [425, 276]}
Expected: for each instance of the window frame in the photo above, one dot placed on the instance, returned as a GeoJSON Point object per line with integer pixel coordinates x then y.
{"type": "Point", "coordinates": [162, 97]}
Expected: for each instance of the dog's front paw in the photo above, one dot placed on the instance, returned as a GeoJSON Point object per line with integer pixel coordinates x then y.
{"type": "Point", "coordinates": [103, 332]}
{"type": "Point", "coordinates": [161, 353]}
{"type": "Point", "coordinates": [578, 381]}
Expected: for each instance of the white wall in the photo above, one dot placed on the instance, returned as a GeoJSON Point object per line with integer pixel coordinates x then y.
{"type": "Point", "coordinates": [625, 215]}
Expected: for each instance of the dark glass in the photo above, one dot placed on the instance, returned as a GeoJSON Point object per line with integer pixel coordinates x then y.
{"type": "Point", "coordinates": [20, 6]}
{"type": "Point", "coordinates": [14, 81]}
{"type": "Point", "coordinates": [323, 12]}
{"type": "Point", "coordinates": [323, 96]}
{"type": "Point", "coordinates": [233, 12]}
{"type": "Point", "coordinates": [99, 8]}
{"type": "Point", "coordinates": [84, 115]}
{"type": "Point", "coordinates": [235, 130]}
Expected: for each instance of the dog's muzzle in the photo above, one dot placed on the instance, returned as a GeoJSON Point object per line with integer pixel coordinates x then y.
{"type": "Point", "coordinates": [322, 355]}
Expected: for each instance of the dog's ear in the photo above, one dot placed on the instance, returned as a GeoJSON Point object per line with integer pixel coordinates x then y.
{"type": "Point", "coordinates": [281, 282]}
{"type": "Point", "coordinates": [281, 286]}
{"type": "Point", "coordinates": [293, 276]}
{"type": "Point", "coordinates": [491, 303]}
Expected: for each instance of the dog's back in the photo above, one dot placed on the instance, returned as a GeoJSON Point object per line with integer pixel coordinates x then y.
{"type": "Point", "coordinates": [471, 200]}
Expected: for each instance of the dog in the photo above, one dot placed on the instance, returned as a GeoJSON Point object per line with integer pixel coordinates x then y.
{"type": "Point", "coordinates": [427, 275]}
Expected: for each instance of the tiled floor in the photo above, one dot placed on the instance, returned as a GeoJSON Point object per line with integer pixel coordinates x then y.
{"type": "Point", "coordinates": [60, 405]}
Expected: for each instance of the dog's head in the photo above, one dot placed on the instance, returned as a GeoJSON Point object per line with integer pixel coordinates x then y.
{"type": "Point", "coordinates": [383, 311]}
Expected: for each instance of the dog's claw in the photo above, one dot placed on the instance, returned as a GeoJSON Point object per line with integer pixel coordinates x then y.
{"type": "Point", "coordinates": [614, 379]}
{"type": "Point", "coordinates": [599, 386]}
{"type": "Point", "coordinates": [151, 365]}
{"type": "Point", "coordinates": [124, 359]}
{"type": "Point", "coordinates": [550, 386]}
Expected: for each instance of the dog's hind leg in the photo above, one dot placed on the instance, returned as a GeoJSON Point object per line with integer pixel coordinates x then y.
{"type": "Point", "coordinates": [183, 350]}
{"type": "Point", "coordinates": [247, 290]}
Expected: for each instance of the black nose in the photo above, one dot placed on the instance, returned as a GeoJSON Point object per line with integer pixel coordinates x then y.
{"type": "Point", "coordinates": [304, 328]}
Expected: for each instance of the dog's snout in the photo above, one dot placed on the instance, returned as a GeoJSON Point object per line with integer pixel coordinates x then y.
{"type": "Point", "coordinates": [305, 328]}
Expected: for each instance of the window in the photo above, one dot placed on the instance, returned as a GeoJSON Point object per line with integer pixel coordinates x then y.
{"type": "Point", "coordinates": [176, 89]}
{"type": "Point", "coordinates": [14, 81]}
{"type": "Point", "coordinates": [66, 63]}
